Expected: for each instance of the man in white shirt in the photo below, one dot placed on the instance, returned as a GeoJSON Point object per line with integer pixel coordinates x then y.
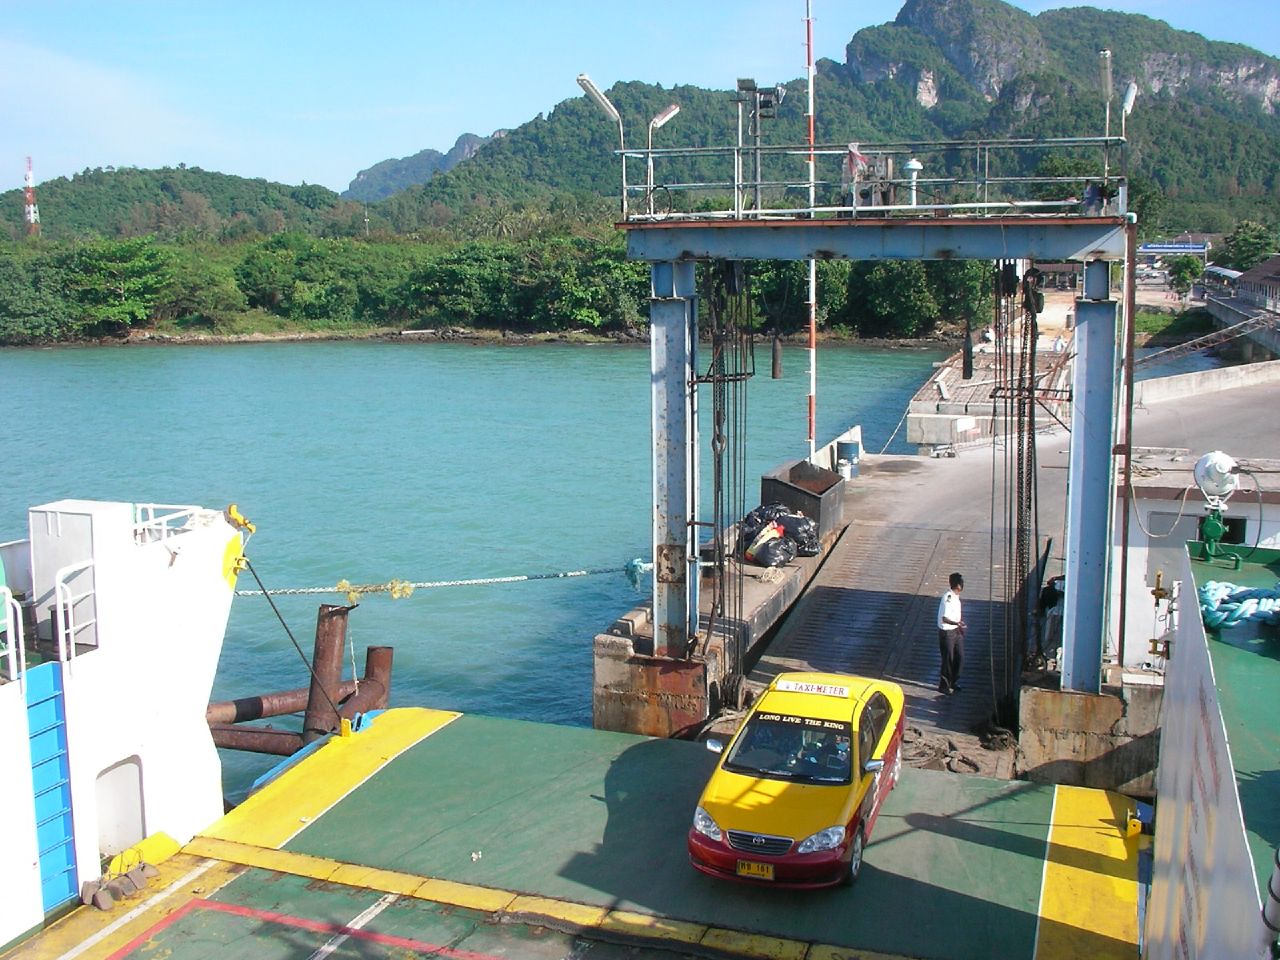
{"type": "Point", "coordinates": [951, 627]}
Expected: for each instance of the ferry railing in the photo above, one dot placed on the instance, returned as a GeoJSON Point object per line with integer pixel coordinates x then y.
{"type": "Point", "coordinates": [972, 178]}
{"type": "Point", "coordinates": [160, 521]}
{"type": "Point", "coordinates": [66, 624]}
{"type": "Point", "coordinates": [14, 648]}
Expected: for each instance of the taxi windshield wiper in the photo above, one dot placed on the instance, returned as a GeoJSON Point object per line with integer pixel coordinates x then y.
{"type": "Point", "coordinates": [761, 771]}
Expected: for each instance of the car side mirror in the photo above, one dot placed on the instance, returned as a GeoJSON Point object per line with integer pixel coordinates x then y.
{"type": "Point", "coordinates": [872, 766]}
{"type": "Point", "coordinates": [715, 746]}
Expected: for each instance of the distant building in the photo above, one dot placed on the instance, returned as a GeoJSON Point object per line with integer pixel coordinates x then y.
{"type": "Point", "coordinates": [1219, 282]}
{"type": "Point", "coordinates": [1260, 286]}
{"type": "Point", "coordinates": [1151, 253]}
{"type": "Point", "coordinates": [1060, 276]}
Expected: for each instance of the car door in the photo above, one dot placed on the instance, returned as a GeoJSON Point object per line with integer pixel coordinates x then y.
{"type": "Point", "coordinates": [871, 732]}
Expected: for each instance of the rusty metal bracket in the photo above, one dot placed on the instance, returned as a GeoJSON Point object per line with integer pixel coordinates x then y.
{"type": "Point", "coordinates": [669, 565]}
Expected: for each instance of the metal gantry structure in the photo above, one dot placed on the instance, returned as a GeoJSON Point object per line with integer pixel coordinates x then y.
{"type": "Point", "coordinates": [673, 249]}
{"type": "Point", "coordinates": [757, 201]}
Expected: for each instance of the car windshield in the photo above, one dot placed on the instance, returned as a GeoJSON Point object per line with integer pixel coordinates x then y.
{"type": "Point", "coordinates": [786, 747]}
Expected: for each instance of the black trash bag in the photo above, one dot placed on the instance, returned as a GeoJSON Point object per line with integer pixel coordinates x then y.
{"type": "Point", "coordinates": [776, 553]}
{"type": "Point", "coordinates": [750, 526]}
{"type": "Point", "coordinates": [802, 530]}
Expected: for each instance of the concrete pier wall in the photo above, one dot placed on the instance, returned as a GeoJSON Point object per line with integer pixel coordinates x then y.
{"type": "Point", "coordinates": [1230, 311]}
{"type": "Point", "coordinates": [635, 692]}
{"type": "Point", "coordinates": [1109, 740]}
{"type": "Point", "coordinates": [1181, 385]}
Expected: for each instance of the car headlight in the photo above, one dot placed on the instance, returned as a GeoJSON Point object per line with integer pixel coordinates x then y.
{"type": "Point", "coordinates": [827, 839]}
{"type": "Point", "coordinates": [703, 823]}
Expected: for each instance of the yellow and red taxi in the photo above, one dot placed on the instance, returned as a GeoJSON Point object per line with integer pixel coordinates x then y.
{"type": "Point", "coordinates": [796, 793]}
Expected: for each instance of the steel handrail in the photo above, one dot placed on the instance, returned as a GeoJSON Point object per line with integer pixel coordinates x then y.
{"type": "Point", "coordinates": [15, 651]}
{"type": "Point", "coordinates": [64, 618]}
{"type": "Point", "coordinates": [976, 180]}
{"type": "Point", "coordinates": [161, 526]}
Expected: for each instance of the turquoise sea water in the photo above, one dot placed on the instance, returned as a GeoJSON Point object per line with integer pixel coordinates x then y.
{"type": "Point", "coordinates": [368, 461]}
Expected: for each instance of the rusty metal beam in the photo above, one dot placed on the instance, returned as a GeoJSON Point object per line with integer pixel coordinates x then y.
{"type": "Point", "coordinates": [906, 238]}
{"type": "Point", "coordinates": [283, 743]}
{"type": "Point", "coordinates": [267, 705]}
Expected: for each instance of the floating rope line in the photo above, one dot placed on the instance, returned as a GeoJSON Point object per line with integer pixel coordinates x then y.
{"type": "Point", "coordinates": [400, 589]}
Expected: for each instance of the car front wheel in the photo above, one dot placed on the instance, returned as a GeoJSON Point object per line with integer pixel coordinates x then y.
{"type": "Point", "coordinates": [855, 859]}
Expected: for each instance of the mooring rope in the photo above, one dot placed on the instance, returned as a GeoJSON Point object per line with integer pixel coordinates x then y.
{"type": "Point", "coordinates": [399, 589]}
{"type": "Point", "coordinates": [1225, 604]}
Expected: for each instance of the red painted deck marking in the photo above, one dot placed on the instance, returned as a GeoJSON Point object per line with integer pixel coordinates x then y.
{"type": "Point", "coordinates": [151, 931]}
{"type": "Point", "coordinates": [316, 926]}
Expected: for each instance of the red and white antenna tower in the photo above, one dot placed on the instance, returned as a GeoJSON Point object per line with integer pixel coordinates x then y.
{"type": "Point", "coordinates": [32, 211]}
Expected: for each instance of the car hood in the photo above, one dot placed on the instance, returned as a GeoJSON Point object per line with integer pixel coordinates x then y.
{"type": "Point", "coordinates": [779, 807]}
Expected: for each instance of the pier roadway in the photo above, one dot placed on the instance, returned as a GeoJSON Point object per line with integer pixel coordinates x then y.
{"type": "Point", "coordinates": [913, 520]}
{"type": "Point", "coordinates": [430, 833]}
{"type": "Point", "coordinates": [872, 608]}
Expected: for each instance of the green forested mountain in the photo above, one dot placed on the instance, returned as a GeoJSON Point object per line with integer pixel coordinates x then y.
{"type": "Point", "coordinates": [179, 203]}
{"type": "Point", "coordinates": [391, 176]}
{"type": "Point", "coordinates": [1204, 139]}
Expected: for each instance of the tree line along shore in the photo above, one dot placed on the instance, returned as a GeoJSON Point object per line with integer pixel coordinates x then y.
{"type": "Point", "coordinates": [292, 283]}
{"type": "Point", "coordinates": [552, 285]}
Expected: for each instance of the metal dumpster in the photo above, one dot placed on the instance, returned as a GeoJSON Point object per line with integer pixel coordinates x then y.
{"type": "Point", "coordinates": [814, 491]}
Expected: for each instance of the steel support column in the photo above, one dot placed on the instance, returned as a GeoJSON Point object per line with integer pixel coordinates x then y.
{"type": "Point", "coordinates": [1092, 488]}
{"type": "Point", "coordinates": [673, 345]}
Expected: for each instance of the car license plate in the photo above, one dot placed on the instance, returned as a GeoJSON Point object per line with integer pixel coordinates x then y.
{"type": "Point", "coordinates": [760, 871]}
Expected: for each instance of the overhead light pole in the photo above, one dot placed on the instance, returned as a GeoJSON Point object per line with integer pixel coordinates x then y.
{"type": "Point", "coordinates": [913, 167]}
{"type": "Point", "coordinates": [612, 112]}
{"type": "Point", "coordinates": [1104, 66]}
{"type": "Point", "coordinates": [662, 117]}
{"type": "Point", "coordinates": [1130, 97]}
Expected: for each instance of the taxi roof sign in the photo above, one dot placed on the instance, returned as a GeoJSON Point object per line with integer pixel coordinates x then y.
{"type": "Point", "coordinates": [825, 689]}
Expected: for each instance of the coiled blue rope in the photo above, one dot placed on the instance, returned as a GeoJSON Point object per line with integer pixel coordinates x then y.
{"type": "Point", "coordinates": [1225, 604]}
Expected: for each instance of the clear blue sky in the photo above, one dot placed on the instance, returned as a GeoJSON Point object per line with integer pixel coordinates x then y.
{"type": "Point", "coordinates": [316, 91]}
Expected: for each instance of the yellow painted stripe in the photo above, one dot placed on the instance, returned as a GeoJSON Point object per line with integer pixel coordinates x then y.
{"type": "Point", "coordinates": [279, 811]}
{"type": "Point", "coordinates": [155, 850]}
{"type": "Point", "coordinates": [565, 911]}
{"type": "Point", "coordinates": [465, 895]}
{"type": "Point", "coordinates": [754, 945]}
{"type": "Point", "coordinates": [521, 908]}
{"type": "Point", "coordinates": [628, 924]}
{"type": "Point", "coordinates": [103, 929]}
{"type": "Point", "coordinates": [352, 874]}
{"type": "Point", "coordinates": [1089, 898]}
{"type": "Point", "coordinates": [826, 951]}
{"type": "Point", "coordinates": [265, 858]}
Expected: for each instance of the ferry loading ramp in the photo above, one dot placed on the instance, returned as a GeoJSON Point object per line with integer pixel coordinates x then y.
{"type": "Point", "coordinates": [435, 833]}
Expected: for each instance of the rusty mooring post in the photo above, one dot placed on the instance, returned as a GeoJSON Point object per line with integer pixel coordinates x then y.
{"type": "Point", "coordinates": [326, 672]}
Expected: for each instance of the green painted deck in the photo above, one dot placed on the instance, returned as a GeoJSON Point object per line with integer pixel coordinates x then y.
{"type": "Point", "coordinates": [431, 833]}
{"type": "Point", "coordinates": [264, 915]}
{"type": "Point", "coordinates": [1246, 668]}
{"type": "Point", "coordinates": [600, 818]}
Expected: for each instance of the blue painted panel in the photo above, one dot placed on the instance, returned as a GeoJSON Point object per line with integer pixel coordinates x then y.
{"type": "Point", "coordinates": [42, 680]}
{"type": "Point", "coordinates": [48, 745]}
{"type": "Point", "coordinates": [53, 790]}
{"type": "Point", "coordinates": [44, 714]}
{"type": "Point", "coordinates": [54, 831]}
{"type": "Point", "coordinates": [46, 721]}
